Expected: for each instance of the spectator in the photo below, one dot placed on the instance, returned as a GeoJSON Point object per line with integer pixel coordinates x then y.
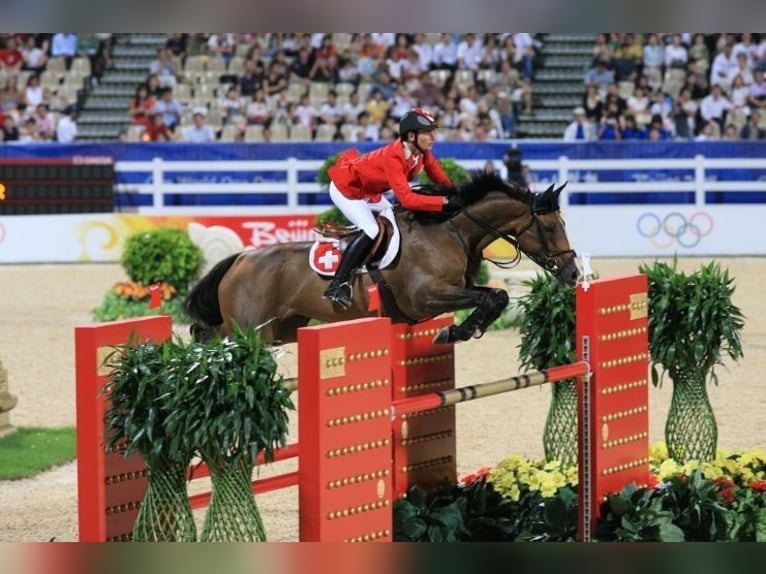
{"type": "Point", "coordinates": [9, 131]}
{"type": "Point", "coordinates": [66, 128]}
{"type": "Point", "coordinates": [330, 112]}
{"type": "Point", "coordinates": [699, 54]}
{"type": "Point", "coordinates": [33, 93]}
{"type": "Point", "coordinates": [170, 108]}
{"type": "Point", "coordinates": [153, 87]}
{"type": "Point", "coordinates": [258, 111]}
{"type": "Point", "coordinates": [165, 69]}
{"type": "Point", "coordinates": [252, 78]}
{"type": "Point", "coordinates": [176, 46]}
{"type": "Point", "coordinates": [199, 131]}
{"type": "Point", "coordinates": [64, 47]}
{"type": "Point", "coordinates": [11, 59]}
{"type": "Point", "coordinates": [87, 45]}
{"type": "Point", "coordinates": [424, 51]}
{"type": "Point", "coordinates": [752, 130]}
{"type": "Point", "coordinates": [631, 129]}
{"type": "Point", "coordinates": [507, 115]}
{"type": "Point", "coordinates": [402, 103]}
{"type": "Point", "coordinates": [324, 70]}
{"type": "Point", "coordinates": [609, 127]}
{"type": "Point", "coordinates": [730, 132]}
{"type": "Point", "coordinates": [445, 53]}
{"type": "Point", "coordinates": [740, 70]}
{"type": "Point", "coordinates": [708, 133]}
{"type": "Point", "coordinates": [676, 55]}
{"type": "Point", "coordinates": [757, 97]}
{"type": "Point", "coordinates": [365, 131]}
{"type": "Point", "coordinates": [638, 105]}
{"type": "Point", "coordinates": [580, 129]}
{"type": "Point", "coordinates": [746, 46]}
{"type": "Point", "coordinates": [450, 117]}
{"type": "Point", "coordinates": [141, 106]}
{"type": "Point", "coordinates": [10, 97]}
{"type": "Point", "coordinates": [35, 57]}
{"type": "Point", "coordinates": [377, 107]}
{"type": "Point", "coordinates": [352, 108]}
{"type": "Point", "coordinates": [222, 46]}
{"type": "Point", "coordinates": [232, 104]}
{"type": "Point", "coordinates": [45, 124]}
{"type": "Point", "coordinates": [715, 106]}
{"type": "Point", "coordinates": [427, 93]}
{"type": "Point", "coordinates": [28, 131]}
{"type": "Point", "coordinates": [592, 104]}
{"type": "Point", "coordinates": [656, 130]}
{"type": "Point", "coordinates": [684, 114]}
{"type": "Point", "coordinates": [599, 75]}
{"type": "Point", "coordinates": [102, 61]}
{"type": "Point", "coordinates": [301, 67]}
{"type": "Point", "coordinates": [469, 52]}
{"type": "Point", "coordinates": [156, 130]}
{"type": "Point", "coordinates": [654, 60]}
{"type": "Point", "coordinates": [739, 95]}
{"type": "Point", "coordinates": [613, 97]}
{"type": "Point", "coordinates": [723, 64]}
{"type": "Point", "coordinates": [305, 113]}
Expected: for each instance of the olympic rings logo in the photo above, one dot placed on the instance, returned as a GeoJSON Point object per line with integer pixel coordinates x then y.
{"type": "Point", "coordinates": [675, 228]}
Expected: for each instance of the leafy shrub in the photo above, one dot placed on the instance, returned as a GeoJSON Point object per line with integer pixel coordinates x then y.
{"type": "Point", "coordinates": [164, 254]}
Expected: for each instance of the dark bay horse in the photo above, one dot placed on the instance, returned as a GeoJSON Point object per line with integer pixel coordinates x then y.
{"type": "Point", "coordinates": [434, 273]}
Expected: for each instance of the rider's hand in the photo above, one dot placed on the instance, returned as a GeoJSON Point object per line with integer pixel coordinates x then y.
{"type": "Point", "coordinates": [453, 204]}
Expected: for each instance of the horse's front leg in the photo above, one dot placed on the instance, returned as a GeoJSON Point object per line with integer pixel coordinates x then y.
{"type": "Point", "coordinates": [489, 305]}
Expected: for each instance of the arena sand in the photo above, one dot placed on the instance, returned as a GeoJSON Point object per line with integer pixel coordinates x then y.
{"type": "Point", "coordinates": [41, 304]}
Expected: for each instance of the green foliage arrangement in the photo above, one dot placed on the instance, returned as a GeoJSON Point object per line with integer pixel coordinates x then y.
{"type": "Point", "coordinates": [536, 500]}
{"type": "Point", "coordinates": [220, 399]}
{"type": "Point", "coordinates": [547, 329]}
{"type": "Point", "coordinates": [693, 325]}
{"type": "Point", "coordinates": [165, 254]}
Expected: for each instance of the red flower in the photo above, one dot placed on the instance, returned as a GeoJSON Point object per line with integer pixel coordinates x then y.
{"type": "Point", "coordinates": [758, 485]}
{"type": "Point", "coordinates": [480, 474]}
{"type": "Point", "coordinates": [653, 481]}
{"type": "Point", "coordinates": [726, 492]}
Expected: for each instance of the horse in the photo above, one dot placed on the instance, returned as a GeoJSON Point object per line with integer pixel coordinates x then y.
{"type": "Point", "coordinates": [434, 273]}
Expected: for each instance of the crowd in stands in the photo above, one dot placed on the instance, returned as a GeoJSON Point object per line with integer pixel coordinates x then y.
{"type": "Point", "coordinates": [41, 78]}
{"type": "Point", "coordinates": [355, 87]}
{"type": "Point", "coordinates": [328, 87]}
{"type": "Point", "coordinates": [683, 86]}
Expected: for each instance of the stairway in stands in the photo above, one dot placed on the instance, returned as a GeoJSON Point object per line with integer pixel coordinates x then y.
{"type": "Point", "coordinates": [558, 84]}
{"type": "Point", "coordinates": [105, 112]}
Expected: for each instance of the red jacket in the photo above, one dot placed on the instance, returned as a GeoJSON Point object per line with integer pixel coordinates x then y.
{"type": "Point", "coordinates": [369, 175]}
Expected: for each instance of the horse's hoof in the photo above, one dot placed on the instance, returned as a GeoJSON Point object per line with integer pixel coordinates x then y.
{"type": "Point", "coordinates": [444, 336]}
{"type": "Point", "coordinates": [478, 334]}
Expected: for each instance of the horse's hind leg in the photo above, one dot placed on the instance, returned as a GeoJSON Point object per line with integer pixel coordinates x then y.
{"type": "Point", "coordinates": [489, 306]}
{"type": "Point", "coordinates": [287, 329]}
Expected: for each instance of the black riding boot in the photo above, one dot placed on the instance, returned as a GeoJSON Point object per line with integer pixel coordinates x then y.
{"type": "Point", "coordinates": [339, 290]}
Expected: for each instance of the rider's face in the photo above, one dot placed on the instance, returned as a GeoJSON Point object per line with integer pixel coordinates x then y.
{"type": "Point", "coordinates": [425, 139]}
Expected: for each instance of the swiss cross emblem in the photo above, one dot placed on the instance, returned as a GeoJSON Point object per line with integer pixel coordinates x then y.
{"type": "Point", "coordinates": [326, 257]}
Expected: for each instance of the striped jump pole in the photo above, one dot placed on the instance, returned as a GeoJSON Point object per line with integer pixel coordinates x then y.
{"type": "Point", "coordinates": [441, 399]}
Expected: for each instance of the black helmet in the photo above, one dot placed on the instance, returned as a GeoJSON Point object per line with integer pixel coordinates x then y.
{"type": "Point", "coordinates": [414, 121]}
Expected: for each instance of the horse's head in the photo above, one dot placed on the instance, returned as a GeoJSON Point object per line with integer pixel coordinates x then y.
{"type": "Point", "coordinates": [544, 239]}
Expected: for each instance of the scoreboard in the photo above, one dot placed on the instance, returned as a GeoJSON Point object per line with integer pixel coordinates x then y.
{"type": "Point", "coordinates": [79, 184]}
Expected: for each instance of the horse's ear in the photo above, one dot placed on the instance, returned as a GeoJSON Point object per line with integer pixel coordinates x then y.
{"type": "Point", "coordinates": [550, 189]}
{"type": "Point", "coordinates": [559, 190]}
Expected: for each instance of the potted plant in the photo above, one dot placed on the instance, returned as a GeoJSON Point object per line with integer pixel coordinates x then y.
{"type": "Point", "coordinates": [547, 329]}
{"type": "Point", "coordinates": [233, 406]}
{"type": "Point", "coordinates": [693, 325]}
{"type": "Point", "coordinates": [164, 256]}
{"type": "Point", "coordinates": [142, 415]}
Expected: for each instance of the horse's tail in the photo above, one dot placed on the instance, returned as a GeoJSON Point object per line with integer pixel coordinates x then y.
{"type": "Point", "coordinates": [201, 304]}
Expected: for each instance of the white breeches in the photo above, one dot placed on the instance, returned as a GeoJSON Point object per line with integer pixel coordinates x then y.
{"type": "Point", "coordinates": [359, 211]}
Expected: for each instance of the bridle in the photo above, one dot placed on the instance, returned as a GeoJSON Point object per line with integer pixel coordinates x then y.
{"type": "Point", "coordinates": [547, 261]}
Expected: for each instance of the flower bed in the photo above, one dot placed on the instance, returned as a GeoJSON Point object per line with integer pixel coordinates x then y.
{"type": "Point", "coordinates": [534, 500]}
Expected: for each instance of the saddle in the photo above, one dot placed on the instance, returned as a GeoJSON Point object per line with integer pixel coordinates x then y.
{"type": "Point", "coordinates": [332, 231]}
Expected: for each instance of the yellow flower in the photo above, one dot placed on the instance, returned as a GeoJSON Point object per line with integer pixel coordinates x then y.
{"type": "Point", "coordinates": [514, 493]}
{"type": "Point", "coordinates": [667, 469]}
{"type": "Point", "coordinates": [658, 451]}
{"type": "Point", "coordinates": [547, 487]}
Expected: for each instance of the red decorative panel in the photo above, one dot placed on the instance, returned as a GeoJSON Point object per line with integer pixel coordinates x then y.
{"type": "Point", "coordinates": [424, 442]}
{"type": "Point", "coordinates": [612, 335]}
{"type": "Point", "coordinates": [110, 487]}
{"type": "Point", "coordinates": [345, 431]}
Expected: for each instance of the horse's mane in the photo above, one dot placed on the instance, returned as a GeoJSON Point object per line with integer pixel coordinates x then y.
{"type": "Point", "coordinates": [471, 191]}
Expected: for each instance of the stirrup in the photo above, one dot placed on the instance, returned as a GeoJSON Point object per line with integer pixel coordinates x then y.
{"type": "Point", "coordinates": [342, 295]}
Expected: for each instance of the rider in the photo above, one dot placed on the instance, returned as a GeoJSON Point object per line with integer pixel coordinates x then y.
{"type": "Point", "coordinates": [357, 184]}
